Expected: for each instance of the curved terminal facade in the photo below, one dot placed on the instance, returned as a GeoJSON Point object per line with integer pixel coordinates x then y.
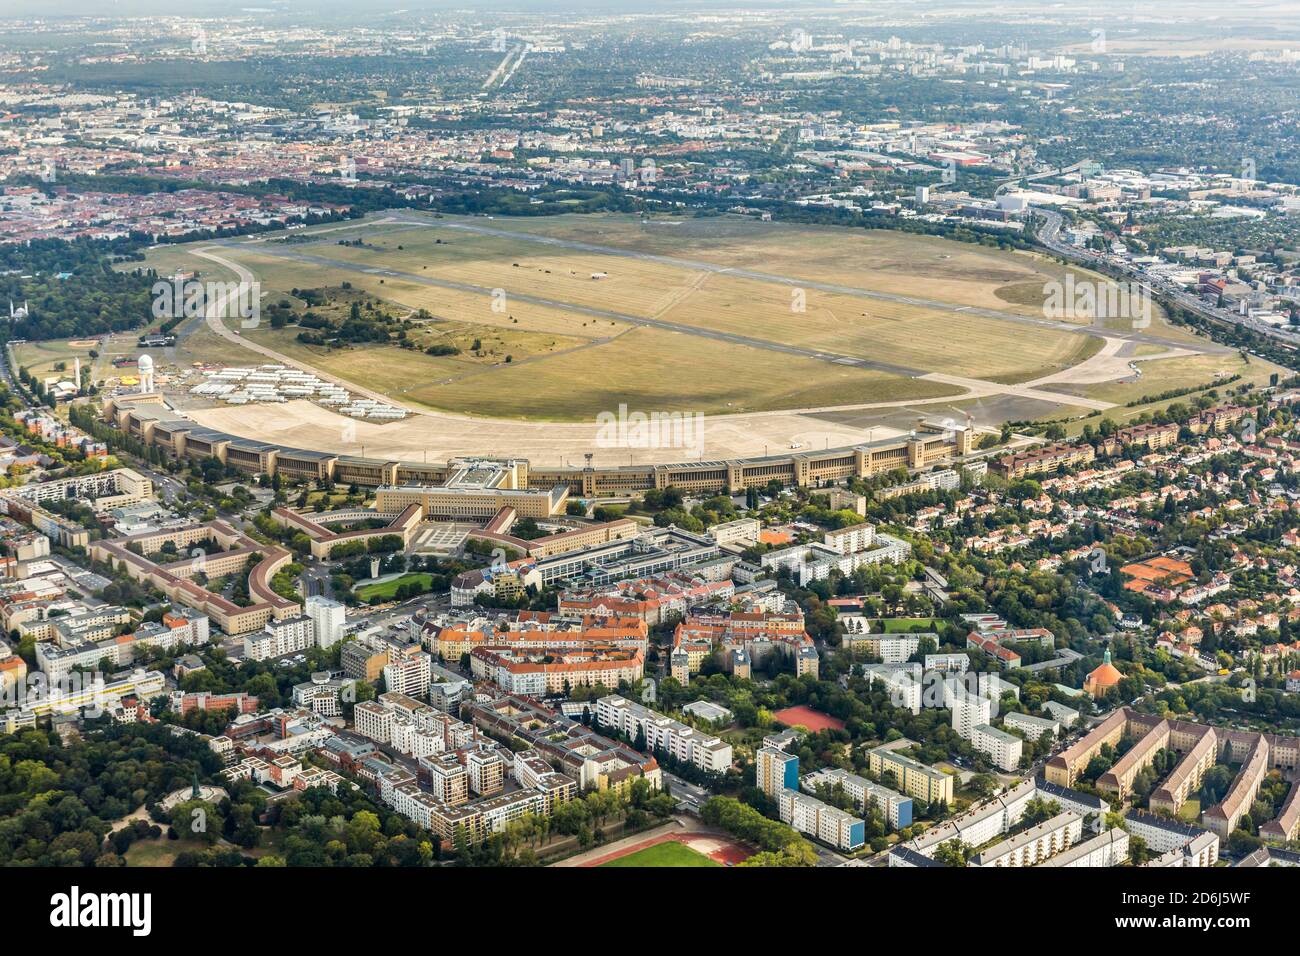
{"type": "Point", "coordinates": [144, 416]}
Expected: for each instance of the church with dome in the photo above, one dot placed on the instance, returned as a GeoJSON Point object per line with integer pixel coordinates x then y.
{"type": "Point", "coordinates": [1102, 678]}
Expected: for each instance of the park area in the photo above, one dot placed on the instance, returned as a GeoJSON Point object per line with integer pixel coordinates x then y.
{"type": "Point", "coordinates": [385, 590]}
{"type": "Point", "coordinates": [516, 335]}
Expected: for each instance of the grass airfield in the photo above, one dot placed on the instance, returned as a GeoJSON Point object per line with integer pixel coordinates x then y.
{"type": "Point", "coordinates": [762, 327]}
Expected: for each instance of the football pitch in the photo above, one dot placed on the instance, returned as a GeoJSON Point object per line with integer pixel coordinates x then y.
{"type": "Point", "coordinates": [668, 853]}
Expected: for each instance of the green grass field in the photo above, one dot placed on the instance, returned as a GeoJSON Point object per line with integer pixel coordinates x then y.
{"type": "Point", "coordinates": [1200, 372]}
{"type": "Point", "coordinates": [160, 852]}
{"type": "Point", "coordinates": [565, 365]}
{"type": "Point", "coordinates": [670, 853]}
{"type": "Point", "coordinates": [901, 625]}
{"type": "Point", "coordinates": [1190, 812]}
{"type": "Point", "coordinates": [387, 589]}
{"type": "Point", "coordinates": [41, 358]}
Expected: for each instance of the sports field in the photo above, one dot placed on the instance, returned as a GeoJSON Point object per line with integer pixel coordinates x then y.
{"type": "Point", "coordinates": [902, 625]}
{"type": "Point", "coordinates": [804, 716]}
{"type": "Point", "coordinates": [668, 853]}
{"type": "Point", "coordinates": [42, 359]}
{"type": "Point", "coordinates": [694, 847]}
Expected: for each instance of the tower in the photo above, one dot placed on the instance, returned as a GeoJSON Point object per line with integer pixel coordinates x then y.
{"type": "Point", "coordinates": [145, 367]}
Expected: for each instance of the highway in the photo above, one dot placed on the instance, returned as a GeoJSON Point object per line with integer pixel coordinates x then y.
{"type": "Point", "coordinates": [1050, 236]}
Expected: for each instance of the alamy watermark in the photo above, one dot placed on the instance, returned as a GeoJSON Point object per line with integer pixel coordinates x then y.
{"type": "Point", "coordinates": [624, 429]}
{"type": "Point", "coordinates": [938, 689]}
{"type": "Point", "coordinates": [77, 910]}
{"type": "Point", "coordinates": [1092, 299]}
{"type": "Point", "coordinates": [80, 693]}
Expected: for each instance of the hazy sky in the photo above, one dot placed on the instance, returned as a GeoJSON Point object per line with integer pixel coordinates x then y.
{"type": "Point", "coordinates": [359, 10]}
{"type": "Point", "coordinates": [353, 8]}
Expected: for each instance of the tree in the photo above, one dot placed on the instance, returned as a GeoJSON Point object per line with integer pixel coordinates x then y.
{"type": "Point", "coordinates": [983, 784]}
{"type": "Point", "coordinates": [951, 853]}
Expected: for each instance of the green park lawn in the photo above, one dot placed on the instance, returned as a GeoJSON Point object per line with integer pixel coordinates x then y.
{"type": "Point", "coordinates": [387, 589]}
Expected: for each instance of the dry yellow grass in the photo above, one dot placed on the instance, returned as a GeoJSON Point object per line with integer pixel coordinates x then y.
{"type": "Point", "coordinates": [567, 364]}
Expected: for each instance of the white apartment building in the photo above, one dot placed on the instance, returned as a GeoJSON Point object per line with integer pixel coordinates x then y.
{"type": "Point", "coordinates": [858, 537]}
{"type": "Point", "coordinates": [486, 771]}
{"type": "Point", "coordinates": [981, 823]}
{"type": "Point", "coordinates": [894, 806]}
{"type": "Point", "coordinates": [503, 808]}
{"type": "Point", "coordinates": [828, 824]}
{"type": "Point", "coordinates": [993, 687]}
{"type": "Point", "coordinates": [374, 721]}
{"type": "Point", "coordinates": [1202, 850]}
{"type": "Point", "coordinates": [775, 770]}
{"type": "Point", "coordinates": [1067, 717]}
{"type": "Point", "coordinates": [57, 658]}
{"type": "Point", "coordinates": [278, 638]}
{"type": "Point", "coordinates": [1032, 727]}
{"type": "Point", "coordinates": [903, 681]}
{"type": "Point", "coordinates": [742, 532]}
{"type": "Point", "coordinates": [945, 480]}
{"type": "Point", "coordinates": [947, 663]}
{"type": "Point", "coordinates": [448, 779]}
{"type": "Point", "coordinates": [330, 619]}
{"type": "Point", "coordinates": [1036, 844]}
{"type": "Point", "coordinates": [814, 562]}
{"type": "Point", "coordinates": [1003, 749]}
{"type": "Point", "coordinates": [413, 803]}
{"type": "Point", "coordinates": [408, 674]}
{"type": "Point", "coordinates": [683, 743]}
{"type": "Point", "coordinates": [968, 710]}
{"type": "Point", "coordinates": [1165, 836]}
{"type": "Point", "coordinates": [1108, 848]}
{"type": "Point", "coordinates": [322, 694]}
{"type": "Point", "coordinates": [897, 648]}
{"type": "Point", "coordinates": [407, 737]}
